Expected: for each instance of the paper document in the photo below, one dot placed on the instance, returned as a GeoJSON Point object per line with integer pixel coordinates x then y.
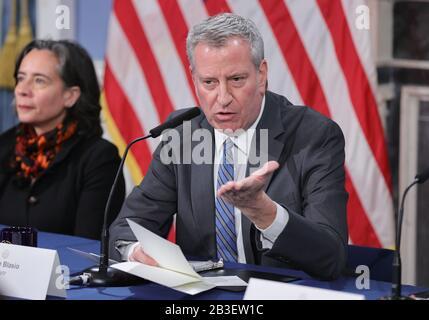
{"type": "Point", "coordinates": [174, 270]}
{"type": "Point", "coordinates": [261, 289]}
{"type": "Point", "coordinates": [226, 281]}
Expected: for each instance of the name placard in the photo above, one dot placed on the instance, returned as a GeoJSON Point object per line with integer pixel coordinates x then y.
{"type": "Point", "coordinates": [259, 289]}
{"type": "Point", "coordinates": [30, 273]}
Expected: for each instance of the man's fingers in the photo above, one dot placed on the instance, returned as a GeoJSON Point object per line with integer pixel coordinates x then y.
{"type": "Point", "coordinates": [268, 168]}
{"type": "Point", "coordinates": [227, 187]}
{"type": "Point", "coordinates": [248, 183]}
{"type": "Point", "coordinates": [140, 256]}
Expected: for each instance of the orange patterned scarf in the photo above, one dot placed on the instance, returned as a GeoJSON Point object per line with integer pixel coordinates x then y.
{"type": "Point", "coordinates": [33, 153]}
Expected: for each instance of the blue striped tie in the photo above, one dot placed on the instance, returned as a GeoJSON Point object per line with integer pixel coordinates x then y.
{"type": "Point", "coordinates": [226, 238]}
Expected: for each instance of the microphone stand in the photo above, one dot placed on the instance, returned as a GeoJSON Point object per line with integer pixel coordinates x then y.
{"type": "Point", "coordinates": [397, 263]}
{"type": "Point", "coordinates": [102, 275]}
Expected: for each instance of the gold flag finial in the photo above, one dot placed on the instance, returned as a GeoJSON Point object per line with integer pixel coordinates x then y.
{"type": "Point", "coordinates": [8, 52]}
{"type": "Point", "coordinates": [14, 43]}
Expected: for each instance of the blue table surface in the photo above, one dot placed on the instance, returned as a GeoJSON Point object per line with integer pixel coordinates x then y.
{"type": "Point", "coordinates": [152, 291]}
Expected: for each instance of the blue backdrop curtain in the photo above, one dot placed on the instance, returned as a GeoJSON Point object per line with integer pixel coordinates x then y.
{"type": "Point", "coordinates": [7, 113]}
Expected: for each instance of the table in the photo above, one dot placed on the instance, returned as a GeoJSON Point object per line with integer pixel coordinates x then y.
{"type": "Point", "coordinates": [152, 291]}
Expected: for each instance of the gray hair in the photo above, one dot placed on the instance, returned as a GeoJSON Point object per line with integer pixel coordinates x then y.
{"type": "Point", "coordinates": [216, 30]}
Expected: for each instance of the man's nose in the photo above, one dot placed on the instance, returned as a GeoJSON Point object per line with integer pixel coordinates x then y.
{"type": "Point", "coordinates": [224, 97]}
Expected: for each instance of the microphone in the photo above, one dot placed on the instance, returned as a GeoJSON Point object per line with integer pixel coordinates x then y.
{"type": "Point", "coordinates": [103, 275]}
{"type": "Point", "coordinates": [397, 263]}
{"type": "Point", "coordinates": [422, 177]}
{"type": "Point", "coordinates": [174, 122]}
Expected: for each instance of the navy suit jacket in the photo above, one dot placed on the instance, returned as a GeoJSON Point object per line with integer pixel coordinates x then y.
{"type": "Point", "coordinates": [309, 184]}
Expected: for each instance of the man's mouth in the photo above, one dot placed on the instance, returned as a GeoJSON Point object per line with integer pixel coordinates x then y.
{"type": "Point", "coordinates": [225, 116]}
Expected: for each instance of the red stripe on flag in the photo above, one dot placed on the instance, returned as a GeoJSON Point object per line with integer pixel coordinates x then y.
{"type": "Point", "coordinates": [360, 91]}
{"type": "Point", "coordinates": [172, 233]}
{"type": "Point", "coordinates": [179, 31]}
{"type": "Point", "coordinates": [216, 6]}
{"type": "Point", "coordinates": [311, 91]}
{"type": "Point", "coordinates": [125, 118]}
{"type": "Point", "coordinates": [360, 228]}
{"type": "Point", "coordinates": [133, 29]}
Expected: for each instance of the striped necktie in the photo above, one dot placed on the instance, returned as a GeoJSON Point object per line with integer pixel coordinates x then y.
{"type": "Point", "coordinates": [226, 238]}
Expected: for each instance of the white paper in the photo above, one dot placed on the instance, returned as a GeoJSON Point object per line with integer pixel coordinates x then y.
{"type": "Point", "coordinates": [226, 281]}
{"type": "Point", "coordinates": [259, 289]}
{"type": "Point", "coordinates": [30, 273]}
{"type": "Point", "coordinates": [156, 274]}
{"type": "Point", "coordinates": [172, 279]}
{"type": "Point", "coordinates": [195, 288]}
{"type": "Point", "coordinates": [167, 254]}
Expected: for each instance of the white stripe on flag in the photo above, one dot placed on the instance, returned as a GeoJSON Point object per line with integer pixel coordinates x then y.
{"type": "Point", "coordinates": [193, 11]}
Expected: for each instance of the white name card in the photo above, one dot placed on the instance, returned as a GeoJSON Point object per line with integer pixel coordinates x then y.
{"type": "Point", "coordinates": [259, 289]}
{"type": "Point", "coordinates": [30, 273]}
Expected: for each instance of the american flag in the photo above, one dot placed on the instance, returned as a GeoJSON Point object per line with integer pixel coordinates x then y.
{"type": "Point", "coordinates": [317, 56]}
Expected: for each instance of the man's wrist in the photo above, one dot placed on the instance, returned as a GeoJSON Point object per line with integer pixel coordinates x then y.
{"type": "Point", "coordinates": [130, 250]}
{"type": "Point", "coordinates": [269, 235]}
{"type": "Point", "coordinates": [263, 214]}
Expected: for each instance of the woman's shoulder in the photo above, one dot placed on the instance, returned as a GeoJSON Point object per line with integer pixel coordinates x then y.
{"type": "Point", "coordinates": [7, 141]}
{"type": "Point", "coordinates": [97, 146]}
{"type": "Point", "coordinates": [8, 135]}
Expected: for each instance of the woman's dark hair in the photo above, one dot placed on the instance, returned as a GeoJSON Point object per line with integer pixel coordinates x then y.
{"type": "Point", "coordinates": [75, 69]}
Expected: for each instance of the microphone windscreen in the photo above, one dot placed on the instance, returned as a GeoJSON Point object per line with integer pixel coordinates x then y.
{"type": "Point", "coordinates": [176, 121]}
{"type": "Point", "coordinates": [423, 176]}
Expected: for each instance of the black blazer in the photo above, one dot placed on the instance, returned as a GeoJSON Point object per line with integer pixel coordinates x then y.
{"type": "Point", "coordinates": [70, 196]}
{"type": "Point", "coordinates": [309, 184]}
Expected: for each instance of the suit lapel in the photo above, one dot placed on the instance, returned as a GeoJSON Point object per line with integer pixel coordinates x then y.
{"type": "Point", "coordinates": [203, 196]}
{"type": "Point", "coordinates": [271, 120]}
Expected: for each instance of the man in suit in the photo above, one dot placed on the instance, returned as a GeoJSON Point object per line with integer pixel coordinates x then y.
{"type": "Point", "coordinates": [287, 212]}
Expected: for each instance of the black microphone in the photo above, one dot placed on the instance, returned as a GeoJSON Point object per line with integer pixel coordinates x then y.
{"type": "Point", "coordinates": [103, 275]}
{"type": "Point", "coordinates": [422, 177]}
{"type": "Point", "coordinates": [397, 263]}
{"type": "Point", "coordinates": [174, 122]}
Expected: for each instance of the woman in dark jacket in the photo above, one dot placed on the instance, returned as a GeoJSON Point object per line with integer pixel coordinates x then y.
{"type": "Point", "coordinates": [55, 169]}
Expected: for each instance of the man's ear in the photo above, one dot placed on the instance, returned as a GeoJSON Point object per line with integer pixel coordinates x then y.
{"type": "Point", "coordinates": [194, 80]}
{"type": "Point", "coordinates": [192, 73]}
{"type": "Point", "coordinates": [71, 95]}
{"type": "Point", "coordinates": [263, 75]}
